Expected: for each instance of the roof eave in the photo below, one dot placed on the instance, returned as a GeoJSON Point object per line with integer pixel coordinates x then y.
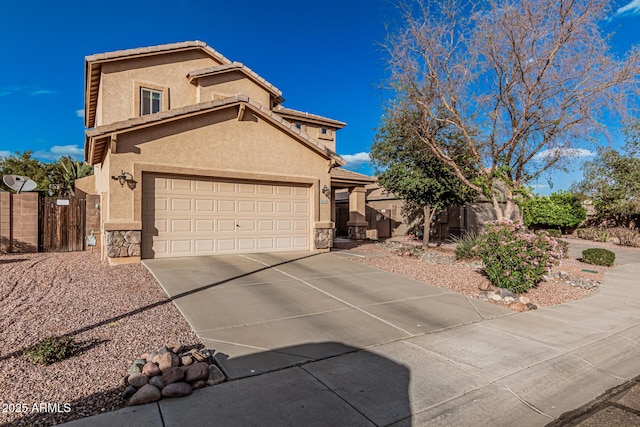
{"type": "Point", "coordinates": [114, 129]}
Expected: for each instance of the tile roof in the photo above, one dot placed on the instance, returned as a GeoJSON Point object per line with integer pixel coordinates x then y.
{"type": "Point", "coordinates": [178, 113]}
{"type": "Point", "coordinates": [308, 116]}
{"type": "Point", "coordinates": [236, 66]}
{"type": "Point", "coordinates": [340, 175]}
{"type": "Point", "coordinates": [378, 193]}
{"type": "Point", "coordinates": [150, 50]}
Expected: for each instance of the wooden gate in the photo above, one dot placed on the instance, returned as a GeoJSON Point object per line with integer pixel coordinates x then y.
{"type": "Point", "coordinates": [62, 224]}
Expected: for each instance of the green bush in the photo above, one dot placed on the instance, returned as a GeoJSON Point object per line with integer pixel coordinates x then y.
{"type": "Point", "coordinates": [565, 248]}
{"type": "Point", "coordinates": [556, 234]}
{"type": "Point", "coordinates": [559, 210]}
{"type": "Point", "coordinates": [52, 350]}
{"type": "Point", "coordinates": [598, 256]}
{"type": "Point", "coordinates": [515, 258]}
{"type": "Point", "coordinates": [466, 245]}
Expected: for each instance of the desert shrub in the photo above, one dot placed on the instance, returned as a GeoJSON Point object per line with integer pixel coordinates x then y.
{"type": "Point", "coordinates": [51, 350]}
{"type": "Point", "coordinates": [411, 251]}
{"type": "Point", "coordinates": [626, 236]}
{"type": "Point", "coordinates": [515, 258]}
{"type": "Point", "coordinates": [556, 234]}
{"type": "Point", "coordinates": [598, 256]}
{"type": "Point", "coordinates": [593, 234]}
{"type": "Point", "coordinates": [466, 245]}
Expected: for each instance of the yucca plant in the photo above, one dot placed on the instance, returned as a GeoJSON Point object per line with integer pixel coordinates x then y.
{"type": "Point", "coordinates": [466, 245]}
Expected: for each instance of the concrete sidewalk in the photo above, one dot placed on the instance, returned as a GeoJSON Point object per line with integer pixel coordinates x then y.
{"type": "Point", "coordinates": [517, 369]}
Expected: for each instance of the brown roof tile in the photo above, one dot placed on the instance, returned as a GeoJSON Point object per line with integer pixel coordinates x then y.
{"type": "Point", "coordinates": [121, 54]}
{"type": "Point", "coordinates": [343, 175]}
{"type": "Point", "coordinates": [236, 66]}
{"type": "Point", "coordinates": [308, 116]}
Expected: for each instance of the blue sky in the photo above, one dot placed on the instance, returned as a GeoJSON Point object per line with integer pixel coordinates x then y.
{"type": "Point", "coordinates": [324, 56]}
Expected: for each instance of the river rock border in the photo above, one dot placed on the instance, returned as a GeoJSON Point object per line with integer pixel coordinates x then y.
{"type": "Point", "coordinates": [171, 371]}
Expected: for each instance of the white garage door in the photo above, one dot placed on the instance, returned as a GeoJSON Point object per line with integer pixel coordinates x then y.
{"type": "Point", "coordinates": [183, 216]}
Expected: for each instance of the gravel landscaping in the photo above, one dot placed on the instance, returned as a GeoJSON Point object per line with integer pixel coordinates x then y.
{"type": "Point", "coordinates": [438, 267]}
{"type": "Point", "coordinates": [117, 313]}
{"type": "Point", "coordinates": [113, 313]}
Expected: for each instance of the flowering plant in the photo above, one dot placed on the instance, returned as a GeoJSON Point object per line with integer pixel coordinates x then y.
{"type": "Point", "coordinates": [514, 257]}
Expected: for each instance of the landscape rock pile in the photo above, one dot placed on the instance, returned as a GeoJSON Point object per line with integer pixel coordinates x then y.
{"type": "Point", "coordinates": [566, 279]}
{"type": "Point", "coordinates": [508, 298]}
{"type": "Point", "coordinates": [171, 371]}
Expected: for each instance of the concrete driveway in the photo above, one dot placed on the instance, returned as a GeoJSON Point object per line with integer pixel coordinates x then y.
{"type": "Point", "coordinates": [265, 312]}
{"type": "Point", "coordinates": [524, 369]}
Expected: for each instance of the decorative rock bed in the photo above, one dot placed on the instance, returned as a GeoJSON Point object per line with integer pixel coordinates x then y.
{"type": "Point", "coordinates": [171, 371]}
{"type": "Point", "coordinates": [508, 298]}
{"type": "Point", "coordinates": [565, 278]}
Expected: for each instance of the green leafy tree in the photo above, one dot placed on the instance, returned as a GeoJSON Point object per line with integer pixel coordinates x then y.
{"type": "Point", "coordinates": [25, 165]}
{"type": "Point", "coordinates": [408, 169]}
{"type": "Point", "coordinates": [612, 182]}
{"type": "Point", "coordinates": [560, 210]}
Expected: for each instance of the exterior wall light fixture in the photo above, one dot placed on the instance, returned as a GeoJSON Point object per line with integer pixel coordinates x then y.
{"type": "Point", "coordinates": [125, 178]}
{"type": "Point", "coordinates": [326, 191]}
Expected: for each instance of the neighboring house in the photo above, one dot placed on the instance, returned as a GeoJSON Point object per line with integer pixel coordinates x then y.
{"type": "Point", "coordinates": [386, 213]}
{"type": "Point", "coordinates": [194, 154]}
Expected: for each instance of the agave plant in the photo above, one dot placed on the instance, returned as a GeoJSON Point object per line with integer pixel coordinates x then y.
{"type": "Point", "coordinates": [64, 174]}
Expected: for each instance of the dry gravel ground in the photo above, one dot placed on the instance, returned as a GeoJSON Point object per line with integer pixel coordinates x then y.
{"type": "Point", "coordinates": [464, 279]}
{"type": "Point", "coordinates": [117, 313]}
{"type": "Point", "coordinates": [113, 313]}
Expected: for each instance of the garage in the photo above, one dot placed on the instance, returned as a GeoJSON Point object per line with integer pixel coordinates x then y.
{"type": "Point", "coordinates": [185, 216]}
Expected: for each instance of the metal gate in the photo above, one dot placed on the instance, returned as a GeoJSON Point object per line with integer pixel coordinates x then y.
{"type": "Point", "coordinates": [62, 224]}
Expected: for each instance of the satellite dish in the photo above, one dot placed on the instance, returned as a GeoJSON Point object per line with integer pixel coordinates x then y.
{"type": "Point", "coordinates": [19, 183]}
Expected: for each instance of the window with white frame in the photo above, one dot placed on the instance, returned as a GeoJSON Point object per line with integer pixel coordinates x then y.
{"type": "Point", "coordinates": [150, 101]}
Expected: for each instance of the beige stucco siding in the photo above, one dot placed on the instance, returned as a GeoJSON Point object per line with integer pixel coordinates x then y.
{"type": "Point", "coordinates": [121, 81]}
{"type": "Point", "coordinates": [217, 145]}
{"type": "Point", "coordinates": [231, 84]}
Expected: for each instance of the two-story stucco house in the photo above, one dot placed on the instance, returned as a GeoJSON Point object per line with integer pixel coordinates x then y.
{"type": "Point", "coordinates": [195, 155]}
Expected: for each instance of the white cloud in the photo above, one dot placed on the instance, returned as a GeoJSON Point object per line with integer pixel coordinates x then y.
{"type": "Point", "coordinates": [80, 113]}
{"type": "Point", "coordinates": [4, 153]}
{"type": "Point", "coordinates": [58, 151]}
{"type": "Point", "coordinates": [41, 92]}
{"type": "Point", "coordinates": [10, 90]}
{"type": "Point", "coordinates": [564, 152]}
{"type": "Point", "coordinates": [630, 9]}
{"type": "Point", "coordinates": [356, 160]}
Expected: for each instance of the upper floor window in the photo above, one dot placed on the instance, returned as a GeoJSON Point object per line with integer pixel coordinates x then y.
{"type": "Point", "coordinates": [150, 101]}
{"type": "Point", "coordinates": [325, 133]}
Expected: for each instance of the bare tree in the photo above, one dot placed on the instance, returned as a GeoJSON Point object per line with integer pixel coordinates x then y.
{"type": "Point", "coordinates": [520, 80]}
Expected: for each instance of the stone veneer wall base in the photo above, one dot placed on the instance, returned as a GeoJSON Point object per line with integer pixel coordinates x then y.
{"type": "Point", "coordinates": [122, 244]}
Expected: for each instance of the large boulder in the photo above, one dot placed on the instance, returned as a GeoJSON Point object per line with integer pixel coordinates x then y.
{"type": "Point", "coordinates": [146, 394]}
{"type": "Point", "coordinates": [178, 389]}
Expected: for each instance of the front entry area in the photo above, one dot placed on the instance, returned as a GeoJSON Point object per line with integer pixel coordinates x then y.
{"type": "Point", "coordinates": [188, 216]}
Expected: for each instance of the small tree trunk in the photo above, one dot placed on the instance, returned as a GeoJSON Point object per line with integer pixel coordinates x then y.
{"type": "Point", "coordinates": [508, 209]}
{"type": "Point", "coordinates": [427, 226]}
{"type": "Point", "coordinates": [496, 208]}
